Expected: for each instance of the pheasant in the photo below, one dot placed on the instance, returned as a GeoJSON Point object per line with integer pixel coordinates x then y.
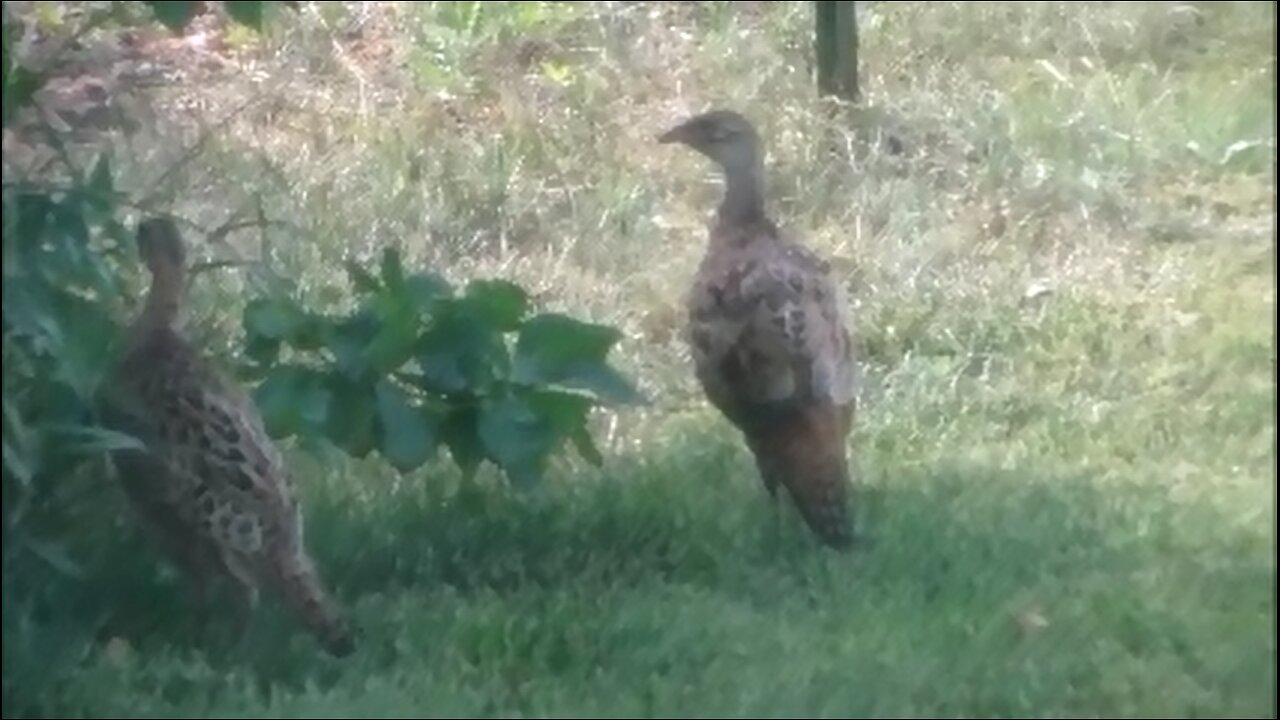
{"type": "Point", "coordinates": [210, 483]}
{"type": "Point", "coordinates": [769, 335]}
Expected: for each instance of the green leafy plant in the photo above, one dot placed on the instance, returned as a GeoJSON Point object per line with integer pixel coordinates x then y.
{"type": "Point", "coordinates": [177, 14]}
{"type": "Point", "coordinates": [66, 259]}
{"type": "Point", "coordinates": [63, 280]}
{"type": "Point", "coordinates": [418, 364]}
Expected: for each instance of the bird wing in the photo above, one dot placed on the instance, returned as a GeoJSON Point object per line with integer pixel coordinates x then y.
{"type": "Point", "coordinates": [220, 467]}
{"type": "Point", "coordinates": [768, 328]}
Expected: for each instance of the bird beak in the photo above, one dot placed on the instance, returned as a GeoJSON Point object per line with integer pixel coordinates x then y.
{"type": "Point", "coordinates": [679, 133]}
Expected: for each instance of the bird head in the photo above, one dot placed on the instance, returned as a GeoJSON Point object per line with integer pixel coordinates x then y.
{"type": "Point", "coordinates": [724, 136]}
{"type": "Point", "coordinates": [161, 246]}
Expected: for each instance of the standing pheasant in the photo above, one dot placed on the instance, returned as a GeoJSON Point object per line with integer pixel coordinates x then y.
{"type": "Point", "coordinates": [210, 483]}
{"type": "Point", "coordinates": [769, 336]}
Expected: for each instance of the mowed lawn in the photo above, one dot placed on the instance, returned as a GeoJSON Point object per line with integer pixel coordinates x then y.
{"type": "Point", "coordinates": [1063, 278]}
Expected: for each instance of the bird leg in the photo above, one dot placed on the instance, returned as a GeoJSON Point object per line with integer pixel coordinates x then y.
{"type": "Point", "coordinates": [776, 511]}
{"type": "Point", "coordinates": [202, 591]}
{"type": "Point", "coordinates": [246, 603]}
{"type": "Point", "coordinates": [246, 606]}
{"type": "Point", "coordinates": [770, 482]}
{"type": "Point", "coordinates": [201, 568]}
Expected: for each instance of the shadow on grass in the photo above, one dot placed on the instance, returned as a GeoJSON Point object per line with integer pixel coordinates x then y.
{"type": "Point", "coordinates": [962, 555]}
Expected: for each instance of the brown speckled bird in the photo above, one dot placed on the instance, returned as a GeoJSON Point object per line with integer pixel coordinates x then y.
{"type": "Point", "coordinates": [211, 484]}
{"type": "Point", "coordinates": [769, 335]}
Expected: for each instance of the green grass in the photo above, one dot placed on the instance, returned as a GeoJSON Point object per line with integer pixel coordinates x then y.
{"type": "Point", "coordinates": [1070, 495]}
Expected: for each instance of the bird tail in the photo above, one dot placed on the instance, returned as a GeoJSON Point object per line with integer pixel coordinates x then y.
{"type": "Point", "coordinates": [304, 594]}
{"type": "Point", "coordinates": [804, 452]}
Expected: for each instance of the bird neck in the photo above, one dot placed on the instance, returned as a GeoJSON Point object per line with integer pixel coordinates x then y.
{"type": "Point", "coordinates": [743, 193]}
{"type": "Point", "coordinates": [164, 304]}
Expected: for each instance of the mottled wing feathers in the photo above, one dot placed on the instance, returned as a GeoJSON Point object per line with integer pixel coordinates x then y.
{"type": "Point", "coordinates": [220, 468]}
{"type": "Point", "coordinates": [767, 326]}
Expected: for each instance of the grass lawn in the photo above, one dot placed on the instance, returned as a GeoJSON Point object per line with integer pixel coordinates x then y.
{"type": "Point", "coordinates": [1057, 225]}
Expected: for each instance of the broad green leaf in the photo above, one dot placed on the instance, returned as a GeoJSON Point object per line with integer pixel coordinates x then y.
{"type": "Point", "coordinates": [311, 332]}
{"type": "Point", "coordinates": [425, 288]}
{"type": "Point", "coordinates": [274, 397]}
{"type": "Point", "coordinates": [399, 324]}
{"type": "Point", "coordinates": [392, 347]}
{"type": "Point", "coordinates": [35, 213]}
{"type": "Point", "coordinates": [293, 400]}
{"type": "Point", "coordinates": [554, 340]}
{"type": "Point", "coordinates": [20, 86]}
{"type": "Point", "coordinates": [516, 437]}
{"type": "Point", "coordinates": [458, 353]}
{"type": "Point", "coordinates": [55, 556]}
{"type": "Point", "coordinates": [586, 446]}
{"type": "Point", "coordinates": [347, 341]}
{"type": "Point", "coordinates": [459, 431]}
{"type": "Point", "coordinates": [564, 410]}
{"type": "Point", "coordinates": [567, 413]}
{"type": "Point", "coordinates": [70, 235]}
{"type": "Point", "coordinates": [86, 352]}
{"type": "Point", "coordinates": [498, 303]}
{"type": "Point", "coordinates": [556, 349]}
{"type": "Point", "coordinates": [271, 322]}
{"type": "Point", "coordinates": [17, 444]}
{"type": "Point", "coordinates": [57, 401]}
{"type": "Point", "coordinates": [246, 13]}
{"type": "Point", "coordinates": [13, 423]}
{"type": "Point", "coordinates": [351, 421]}
{"type": "Point", "coordinates": [604, 382]}
{"type": "Point", "coordinates": [407, 440]}
{"type": "Point", "coordinates": [27, 313]}
{"type": "Point", "coordinates": [16, 464]}
{"type": "Point", "coordinates": [399, 307]}
{"type": "Point", "coordinates": [175, 14]}
{"type": "Point", "coordinates": [271, 318]}
{"type": "Point", "coordinates": [264, 351]}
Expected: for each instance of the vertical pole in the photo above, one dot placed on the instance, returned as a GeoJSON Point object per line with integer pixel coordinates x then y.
{"type": "Point", "coordinates": [836, 48]}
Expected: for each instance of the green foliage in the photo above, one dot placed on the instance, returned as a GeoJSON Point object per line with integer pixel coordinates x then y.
{"type": "Point", "coordinates": [70, 279]}
{"type": "Point", "coordinates": [19, 83]}
{"type": "Point", "coordinates": [177, 14]}
{"type": "Point", "coordinates": [451, 31]}
{"type": "Point", "coordinates": [66, 259]}
{"type": "Point", "coordinates": [417, 365]}
{"type": "Point", "coordinates": [64, 265]}
{"type": "Point", "coordinates": [1070, 494]}
{"type": "Point", "coordinates": [62, 293]}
